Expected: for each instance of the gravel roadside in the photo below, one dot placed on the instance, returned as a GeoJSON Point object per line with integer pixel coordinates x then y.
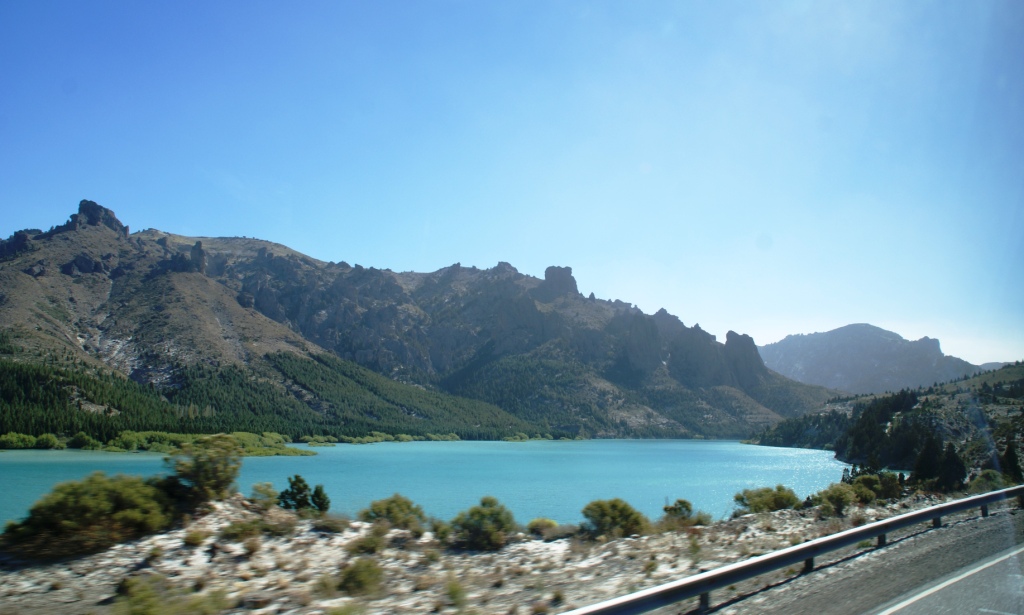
{"type": "Point", "coordinates": [297, 574]}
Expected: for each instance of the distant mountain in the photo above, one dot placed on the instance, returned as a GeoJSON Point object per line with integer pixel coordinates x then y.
{"type": "Point", "coordinates": [185, 315]}
{"type": "Point", "coordinates": [862, 358]}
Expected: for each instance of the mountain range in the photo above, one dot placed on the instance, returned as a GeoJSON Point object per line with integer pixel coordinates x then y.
{"type": "Point", "coordinates": [528, 355]}
{"type": "Point", "coordinates": [862, 358]}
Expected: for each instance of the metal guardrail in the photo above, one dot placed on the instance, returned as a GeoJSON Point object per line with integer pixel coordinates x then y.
{"type": "Point", "coordinates": [702, 584]}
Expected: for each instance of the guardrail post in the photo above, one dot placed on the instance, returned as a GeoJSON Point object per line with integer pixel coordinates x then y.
{"type": "Point", "coordinates": [705, 603]}
{"type": "Point", "coordinates": [808, 565]}
{"type": "Point", "coordinates": [937, 522]}
{"type": "Point", "coordinates": [984, 510]}
{"type": "Point", "coordinates": [881, 540]}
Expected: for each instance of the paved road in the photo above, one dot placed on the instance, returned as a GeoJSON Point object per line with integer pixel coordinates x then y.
{"type": "Point", "coordinates": [995, 586]}
{"type": "Point", "coordinates": [916, 560]}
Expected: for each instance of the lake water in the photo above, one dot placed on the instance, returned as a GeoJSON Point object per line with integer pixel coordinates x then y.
{"type": "Point", "coordinates": [534, 479]}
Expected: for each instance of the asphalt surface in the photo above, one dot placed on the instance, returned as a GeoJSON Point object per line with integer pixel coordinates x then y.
{"type": "Point", "coordinates": [994, 586]}
{"type": "Point", "coordinates": [916, 560]}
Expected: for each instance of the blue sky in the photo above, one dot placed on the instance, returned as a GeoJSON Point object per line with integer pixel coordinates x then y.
{"type": "Point", "coordinates": [766, 167]}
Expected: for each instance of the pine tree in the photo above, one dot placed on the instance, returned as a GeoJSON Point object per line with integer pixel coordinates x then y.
{"type": "Point", "coordinates": [296, 496]}
{"type": "Point", "coordinates": [1010, 462]}
{"type": "Point", "coordinates": [928, 460]}
{"type": "Point", "coordinates": [952, 471]}
{"type": "Point", "coordinates": [320, 500]}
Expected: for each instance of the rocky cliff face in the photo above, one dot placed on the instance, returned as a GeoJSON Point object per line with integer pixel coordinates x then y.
{"type": "Point", "coordinates": [862, 358]}
{"type": "Point", "coordinates": [157, 300]}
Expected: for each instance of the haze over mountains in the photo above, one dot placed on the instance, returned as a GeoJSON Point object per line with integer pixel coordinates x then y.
{"type": "Point", "coordinates": [149, 304]}
{"type": "Point", "coordinates": [862, 358]}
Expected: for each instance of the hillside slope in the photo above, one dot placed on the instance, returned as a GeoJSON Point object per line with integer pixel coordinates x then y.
{"type": "Point", "coordinates": [862, 358]}
{"type": "Point", "coordinates": [978, 415]}
{"type": "Point", "coordinates": [151, 304]}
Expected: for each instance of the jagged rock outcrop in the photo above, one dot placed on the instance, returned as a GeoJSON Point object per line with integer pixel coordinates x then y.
{"type": "Point", "coordinates": [558, 282]}
{"type": "Point", "coordinates": [89, 214]}
{"type": "Point", "coordinates": [743, 359]}
{"type": "Point", "coordinates": [668, 325]}
{"type": "Point", "coordinates": [697, 357]}
{"type": "Point", "coordinates": [198, 257]}
{"type": "Point", "coordinates": [83, 263]}
{"type": "Point", "coordinates": [36, 270]}
{"type": "Point", "coordinates": [16, 244]}
{"type": "Point", "coordinates": [94, 214]}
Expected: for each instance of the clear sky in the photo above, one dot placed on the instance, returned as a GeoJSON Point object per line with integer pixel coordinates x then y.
{"type": "Point", "coordinates": [767, 167]}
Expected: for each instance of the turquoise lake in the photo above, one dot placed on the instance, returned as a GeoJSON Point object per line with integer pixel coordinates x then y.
{"type": "Point", "coordinates": [534, 479]}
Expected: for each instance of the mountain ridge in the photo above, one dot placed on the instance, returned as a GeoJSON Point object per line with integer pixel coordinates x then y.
{"type": "Point", "coordinates": [862, 358]}
{"type": "Point", "coordinates": [149, 304]}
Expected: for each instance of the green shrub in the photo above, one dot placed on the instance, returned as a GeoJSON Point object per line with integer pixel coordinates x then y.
{"type": "Point", "coordinates": [613, 518]}
{"type": "Point", "coordinates": [49, 441]}
{"type": "Point", "coordinates": [129, 441]}
{"type": "Point", "coordinates": [241, 530]}
{"type": "Point", "coordinates": [90, 515]}
{"type": "Point", "coordinates": [456, 592]}
{"type": "Point", "coordinates": [863, 493]}
{"type": "Point", "coordinates": [151, 594]}
{"type": "Point", "coordinates": [538, 527]}
{"type": "Point", "coordinates": [888, 486]}
{"type": "Point", "coordinates": [361, 577]}
{"type": "Point", "coordinates": [441, 529]}
{"type": "Point", "coordinates": [264, 496]}
{"type": "Point", "coordinates": [330, 524]}
{"type": "Point", "coordinates": [765, 499]}
{"type": "Point", "coordinates": [398, 510]}
{"type": "Point", "coordinates": [560, 531]}
{"type": "Point", "coordinates": [84, 441]}
{"type": "Point", "coordinates": [870, 481]}
{"type": "Point", "coordinates": [208, 467]}
{"type": "Point", "coordinates": [374, 542]}
{"type": "Point", "coordinates": [17, 440]}
{"type": "Point", "coordinates": [680, 515]}
{"type": "Point", "coordinates": [681, 509]}
{"type": "Point", "coordinates": [838, 496]}
{"type": "Point", "coordinates": [548, 529]}
{"type": "Point", "coordinates": [486, 527]}
{"type": "Point", "coordinates": [885, 485]}
{"type": "Point", "coordinates": [194, 538]}
{"type": "Point", "coordinates": [988, 480]}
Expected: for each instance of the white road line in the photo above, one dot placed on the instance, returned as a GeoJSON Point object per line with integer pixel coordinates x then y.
{"type": "Point", "coordinates": [946, 584]}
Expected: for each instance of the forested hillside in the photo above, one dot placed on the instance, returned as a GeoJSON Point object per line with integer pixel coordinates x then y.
{"type": "Point", "coordinates": [979, 416]}
{"type": "Point", "coordinates": [344, 401]}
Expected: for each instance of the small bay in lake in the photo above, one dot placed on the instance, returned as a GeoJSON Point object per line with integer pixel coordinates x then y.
{"type": "Point", "coordinates": [554, 479]}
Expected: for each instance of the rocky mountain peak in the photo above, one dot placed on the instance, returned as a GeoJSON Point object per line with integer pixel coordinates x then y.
{"type": "Point", "coordinates": [558, 282]}
{"type": "Point", "coordinates": [930, 345]}
{"type": "Point", "coordinates": [503, 268]}
{"type": "Point", "coordinates": [742, 356]}
{"type": "Point", "coordinates": [93, 214]}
